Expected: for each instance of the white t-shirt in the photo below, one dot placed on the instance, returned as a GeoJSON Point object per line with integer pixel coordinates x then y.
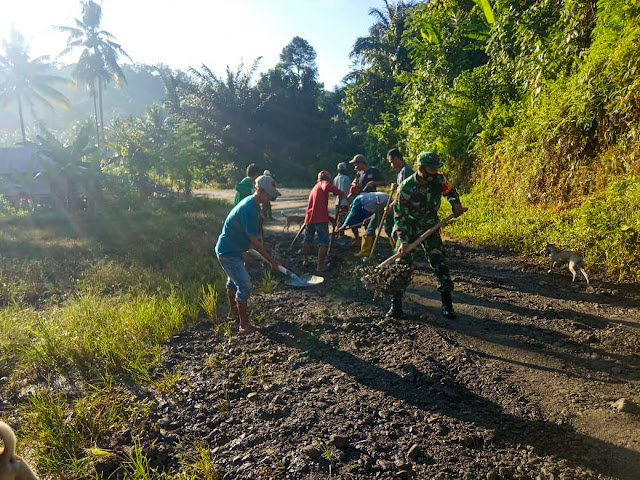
{"type": "Point", "coordinates": [372, 200]}
{"type": "Point", "coordinates": [343, 182]}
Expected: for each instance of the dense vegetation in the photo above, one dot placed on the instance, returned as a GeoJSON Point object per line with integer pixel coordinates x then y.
{"type": "Point", "coordinates": [534, 106]}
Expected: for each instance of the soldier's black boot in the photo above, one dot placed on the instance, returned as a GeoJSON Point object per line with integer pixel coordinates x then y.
{"type": "Point", "coordinates": [447, 306]}
{"type": "Point", "coordinates": [396, 307]}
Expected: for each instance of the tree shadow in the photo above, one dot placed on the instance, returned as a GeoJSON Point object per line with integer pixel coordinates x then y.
{"type": "Point", "coordinates": [545, 437]}
{"type": "Point", "coordinates": [535, 280]}
{"type": "Point", "coordinates": [536, 339]}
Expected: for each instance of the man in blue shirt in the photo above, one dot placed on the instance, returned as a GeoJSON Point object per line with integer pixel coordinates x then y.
{"type": "Point", "coordinates": [240, 232]}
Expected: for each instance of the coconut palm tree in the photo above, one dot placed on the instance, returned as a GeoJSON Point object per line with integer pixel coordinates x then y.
{"type": "Point", "coordinates": [27, 81]}
{"type": "Point", "coordinates": [383, 46]}
{"type": "Point", "coordinates": [98, 62]}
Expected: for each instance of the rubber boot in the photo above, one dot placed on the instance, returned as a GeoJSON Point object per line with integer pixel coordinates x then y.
{"type": "Point", "coordinates": [396, 307]}
{"type": "Point", "coordinates": [447, 306]}
{"type": "Point", "coordinates": [365, 248]}
{"type": "Point", "coordinates": [392, 242]}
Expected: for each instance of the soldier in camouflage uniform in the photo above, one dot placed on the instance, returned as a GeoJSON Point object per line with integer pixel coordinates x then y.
{"type": "Point", "coordinates": [416, 211]}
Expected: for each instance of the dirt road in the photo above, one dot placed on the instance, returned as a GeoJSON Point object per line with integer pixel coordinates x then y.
{"type": "Point", "coordinates": [520, 385]}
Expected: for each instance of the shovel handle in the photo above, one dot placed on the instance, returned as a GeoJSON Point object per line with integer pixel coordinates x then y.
{"type": "Point", "coordinates": [421, 238]}
{"type": "Point", "coordinates": [256, 254]}
{"type": "Point", "coordinates": [284, 270]}
{"type": "Point", "coordinates": [384, 218]}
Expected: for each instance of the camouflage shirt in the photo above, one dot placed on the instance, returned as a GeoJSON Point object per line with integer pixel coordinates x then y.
{"type": "Point", "coordinates": [417, 204]}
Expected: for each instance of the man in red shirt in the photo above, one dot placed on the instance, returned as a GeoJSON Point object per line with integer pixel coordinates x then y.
{"type": "Point", "coordinates": [317, 218]}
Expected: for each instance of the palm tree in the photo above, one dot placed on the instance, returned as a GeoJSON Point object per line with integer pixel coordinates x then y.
{"type": "Point", "coordinates": [98, 62]}
{"type": "Point", "coordinates": [65, 163]}
{"type": "Point", "coordinates": [383, 46]}
{"type": "Point", "coordinates": [25, 80]}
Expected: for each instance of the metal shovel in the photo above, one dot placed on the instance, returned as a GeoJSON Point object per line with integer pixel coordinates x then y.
{"type": "Point", "coordinates": [294, 280]}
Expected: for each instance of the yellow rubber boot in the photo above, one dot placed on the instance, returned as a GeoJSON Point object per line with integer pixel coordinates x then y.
{"type": "Point", "coordinates": [365, 248]}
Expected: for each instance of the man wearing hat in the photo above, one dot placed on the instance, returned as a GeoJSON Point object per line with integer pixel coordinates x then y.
{"type": "Point", "coordinates": [266, 207]}
{"type": "Point", "coordinates": [316, 219]}
{"type": "Point", "coordinates": [244, 187]}
{"type": "Point", "coordinates": [367, 179]}
{"type": "Point", "coordinates": [416, 211]}
{"type": "Point", "coordinates": [240, 232]}
{"type": "Point", "coordinates": [342, 182]}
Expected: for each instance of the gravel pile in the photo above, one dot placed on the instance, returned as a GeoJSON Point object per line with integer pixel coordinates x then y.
{"type": "Point", "coordinates": [387, 281]}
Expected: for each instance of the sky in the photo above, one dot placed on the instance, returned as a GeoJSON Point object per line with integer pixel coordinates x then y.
{"type": "Point", "coordinates": [188, 33]}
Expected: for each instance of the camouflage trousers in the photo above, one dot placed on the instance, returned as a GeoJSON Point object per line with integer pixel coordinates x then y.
{"type": "Point", "coordinates": [434, 253]}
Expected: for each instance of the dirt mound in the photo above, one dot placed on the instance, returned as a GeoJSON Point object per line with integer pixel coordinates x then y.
{"type": "Point", "coordinates": [388, 280]}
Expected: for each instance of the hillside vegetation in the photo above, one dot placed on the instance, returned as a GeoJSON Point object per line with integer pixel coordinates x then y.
{"type": "Point", "coordinates": [534, 105]}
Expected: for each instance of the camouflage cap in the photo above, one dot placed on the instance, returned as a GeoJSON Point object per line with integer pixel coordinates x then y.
{"type": "Point", "coordinates": [429, 159]}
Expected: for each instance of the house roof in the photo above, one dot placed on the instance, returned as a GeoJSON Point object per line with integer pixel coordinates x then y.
{"type": "Point", "coordinates": [20, 159]}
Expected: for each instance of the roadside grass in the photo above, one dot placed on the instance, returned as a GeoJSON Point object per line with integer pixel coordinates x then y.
{"type": "Point", "coordinates": [604, 228]}
{"type": "Point", "coordinates": [91, 299]}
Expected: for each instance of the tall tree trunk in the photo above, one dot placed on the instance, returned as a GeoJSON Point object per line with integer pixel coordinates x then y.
{"type": "Point", "coordinates": [104, 140]}
{"type": "Point", "coordinates": [95, 114]}
{"type": "Point", "coordinates": [24, 135]}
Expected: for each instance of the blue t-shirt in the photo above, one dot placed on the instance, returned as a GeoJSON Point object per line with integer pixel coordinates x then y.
{"type": "Point", "coordinates": [241, 223]}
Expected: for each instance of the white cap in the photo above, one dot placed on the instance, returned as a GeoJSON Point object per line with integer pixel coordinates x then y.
{"type": "Point", "coordinates": [342, 166]}
{"type": "Point", "coordinates": [268, 184]}
{"type": "Point", "coordinates": [267, 173]}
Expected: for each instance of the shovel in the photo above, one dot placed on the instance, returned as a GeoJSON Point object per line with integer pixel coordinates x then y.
{"type": "Point", "coordinates": [296, 237]}
{"type": "Point", "coordinates": [294, 280]}
{"type": "Point", "coordinates": [384, 218]}
{"type": "Point", "coordinates": [421, 238]}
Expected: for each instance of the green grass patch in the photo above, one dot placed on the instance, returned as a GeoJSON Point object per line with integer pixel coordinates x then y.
{"type": "Point", "coordinates": [88, 300]}
{"type": "Point", "coordinates": [604, 228]}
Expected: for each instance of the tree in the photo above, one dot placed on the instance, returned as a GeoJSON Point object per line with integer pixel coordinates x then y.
{"type": "Point", "coordinates": [65, 163]}
{"type": "Point", "coordinates": [26, 80]}
{"type": "Point", "coordinates": [373, 92]}
{"type": "Point", "coordinates": [298, 59]}
{"type": "Point", "coordinates": [98, 62]}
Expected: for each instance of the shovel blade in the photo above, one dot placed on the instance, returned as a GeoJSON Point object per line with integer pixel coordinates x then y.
{"type": "Point", "coordinates": [306, 281]}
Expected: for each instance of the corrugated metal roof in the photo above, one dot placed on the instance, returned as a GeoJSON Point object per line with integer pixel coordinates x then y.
{"type": "Point", "coordinates": [22, 159]}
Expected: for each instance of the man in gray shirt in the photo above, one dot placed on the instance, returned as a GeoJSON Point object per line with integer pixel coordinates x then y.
{"type": "Point", "coordinates": [395, 159]}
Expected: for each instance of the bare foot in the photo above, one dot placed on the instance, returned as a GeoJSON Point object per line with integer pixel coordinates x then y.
{"type": "Point", "coordinates": [247, 329]}
{"type": "Point", "coordinates": [233, 314]}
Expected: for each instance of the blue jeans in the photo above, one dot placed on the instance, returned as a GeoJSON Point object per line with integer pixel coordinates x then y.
{"type": "Point", "coordinates": [237, 275]}
{"type": "Point", "coordinates": [322, 229]}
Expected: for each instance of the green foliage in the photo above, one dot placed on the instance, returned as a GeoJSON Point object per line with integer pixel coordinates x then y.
{"type": "Point", "coordinates": [602, 228]}
{"type": "Point", "coordinates": [67, 431]}
{"type": "Point", "coordinates": [98, 62]}
{"type": "Point", "coordinates": [159, 148]}
{"type": "Point", "coordinates": [27, 81]}
{"type": "Point", "coordinates": [209, 302]}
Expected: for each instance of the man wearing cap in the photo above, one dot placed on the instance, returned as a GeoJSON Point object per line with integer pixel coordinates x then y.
{"type": "Point", "coordinates": [342, 182]}
{"type": "Point", "coordinates": [316, 219]}
{"type": "Point", "coordinates": [416, 211]}
{"type": "Point", "coordinates": [367, 179]}
{"type": "Point", "coordinates": [266, 207]}
{"type": "Point", "coordinates": [240, 233]}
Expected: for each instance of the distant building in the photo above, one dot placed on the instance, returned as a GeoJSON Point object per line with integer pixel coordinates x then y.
{"type": "Point", "coordinates": [19, 179]}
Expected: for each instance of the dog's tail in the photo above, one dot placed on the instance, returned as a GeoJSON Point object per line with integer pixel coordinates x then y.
{"type": "Point", "coordinates": [9, 439]}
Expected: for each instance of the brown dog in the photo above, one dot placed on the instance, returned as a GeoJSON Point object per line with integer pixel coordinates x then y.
{"type": "Point", "coordinates": [560, 257]}
{"type": "Point", "coordinates": [12, 467]}
{"type": "Point", "coordinates": [292, 220]}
